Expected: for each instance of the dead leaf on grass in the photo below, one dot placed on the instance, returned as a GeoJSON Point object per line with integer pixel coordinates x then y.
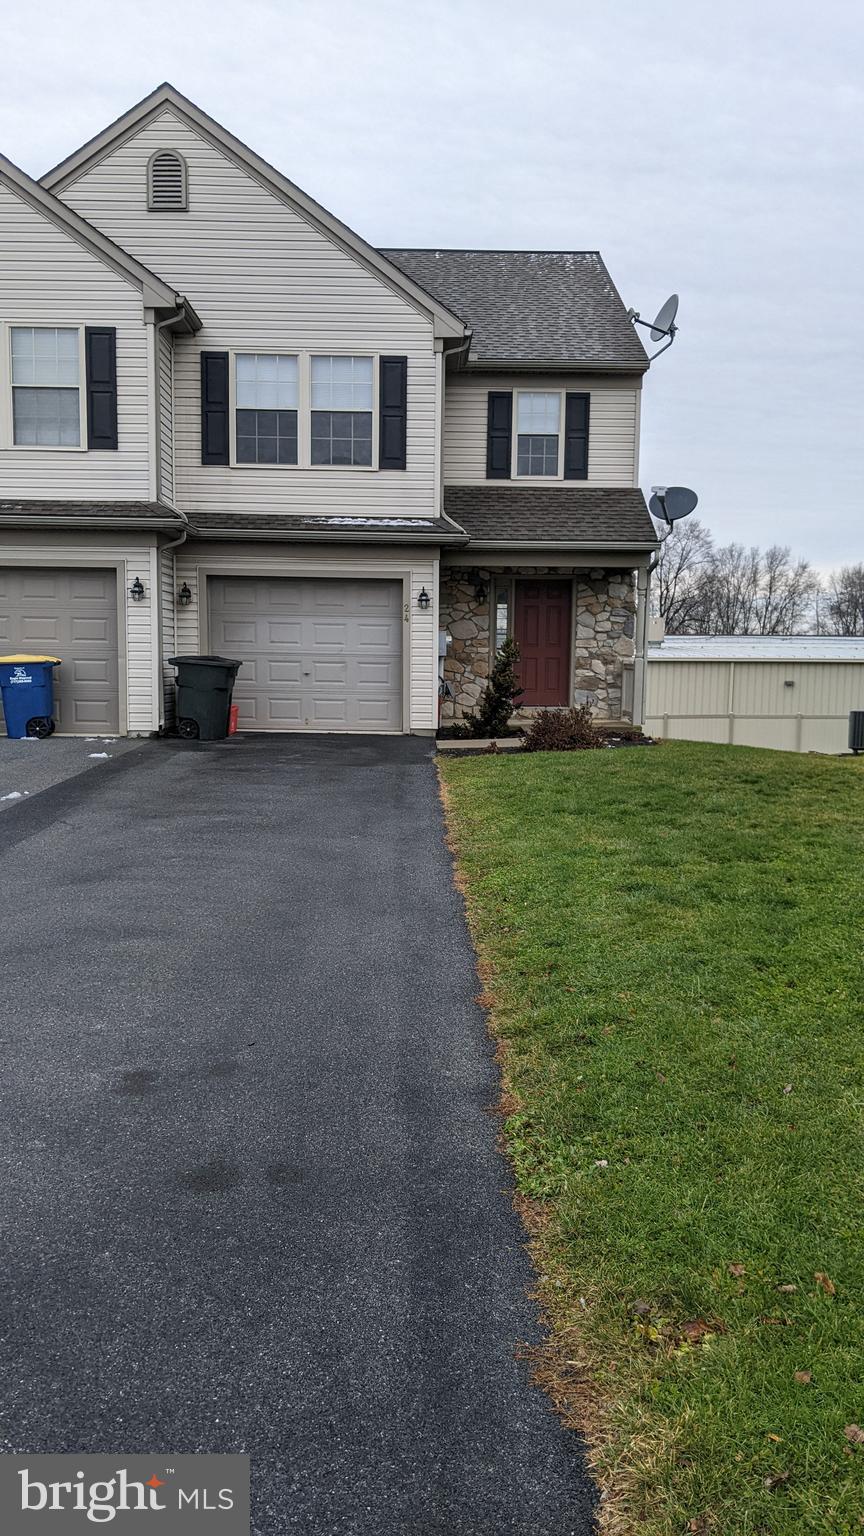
{"type": "Point", "coordinates": [737, 1270]}
{"type": "Point", "coordinates": [826, 1284]}
{"type": "Point", "coordinates": [854, 1434]}
{"type": "Point", "coordinates": [787, 1087]}
{"type": "Point", "coordinates": [778, 1439]}
{"type": "Point", "coordinates": [697, 1330]}
{"type": "Point", "coordinates": [803, 1377]}
{"type": "Point", "coordinates": [788, 1290]}
{"type": "Point", "coordinates": [776, 1479]}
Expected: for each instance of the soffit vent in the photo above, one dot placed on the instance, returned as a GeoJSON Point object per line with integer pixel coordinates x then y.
{"type": "Point", "coordinates": [166, 182]}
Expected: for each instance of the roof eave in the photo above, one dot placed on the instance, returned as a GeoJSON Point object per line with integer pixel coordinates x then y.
{"type": "Point", "coordinates": [617, 546]}
{"type": "Point", "coordinates": [329, 535]}
{"type": "Point", "coordinates": [81, 520]}
{"type": "Point", "coordinates": [548, 365]}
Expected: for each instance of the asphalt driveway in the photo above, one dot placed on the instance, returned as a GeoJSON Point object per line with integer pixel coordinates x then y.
{"type": "Point", "coordinates": [251, 1197]}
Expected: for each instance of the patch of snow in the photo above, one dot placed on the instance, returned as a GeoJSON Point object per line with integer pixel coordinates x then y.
{"type": "Point", "coordinates": [15, 794]}
{"type": "Point", "coordinates": [100, 754]}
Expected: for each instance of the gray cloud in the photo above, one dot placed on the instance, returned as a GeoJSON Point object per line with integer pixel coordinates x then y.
{"type": "Point", "coordinates": [713, 150]}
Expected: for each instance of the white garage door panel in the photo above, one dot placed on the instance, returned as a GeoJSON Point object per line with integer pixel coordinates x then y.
{"type": "Point", "coordinates": [317, 654]}
{"type": "Point", "coordinates": [72, 614]}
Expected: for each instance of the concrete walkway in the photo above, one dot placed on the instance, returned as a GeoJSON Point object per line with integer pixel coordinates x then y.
{"type": "Point", "coordinates": [250, 1189]}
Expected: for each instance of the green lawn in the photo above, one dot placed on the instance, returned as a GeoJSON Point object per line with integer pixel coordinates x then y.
{"type": "Point", "coordinates": [671, 943]}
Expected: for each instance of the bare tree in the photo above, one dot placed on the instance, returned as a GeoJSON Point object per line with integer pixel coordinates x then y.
{"type": "Point", "coordinates": [787, 592]}
{"type": "Point", "coordinates": [683, 556]}
{"type": "Point", "coordinates": [730, 590]}
{"type": "Point", "coordinates": [843, 611]}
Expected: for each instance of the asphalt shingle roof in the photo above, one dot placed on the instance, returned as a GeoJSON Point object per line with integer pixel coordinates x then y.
{"type": "Point", "coordinates": [374, 530]}
{"type": "Point", "coordinates": [547, 514]}
{"type": "Point", "coordinates": [530, 306]}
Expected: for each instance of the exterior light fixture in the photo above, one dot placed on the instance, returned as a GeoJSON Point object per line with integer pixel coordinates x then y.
{"type": "Point", "coordinates": [480, 592]}
{"type": "Point", "coordinates": [136, 591]}
{"type": "Point", "coordinates": [184, 596]}
{"type": "Point", "coordinates": [423, 599]}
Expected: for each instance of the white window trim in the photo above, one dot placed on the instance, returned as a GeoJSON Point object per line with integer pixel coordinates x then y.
{"type": "Point", "coordinates": [7, 421]}
{"type": "Point", "coordinates": [514, 447]}
{"type": "Point", "coordinates": [304, 409]}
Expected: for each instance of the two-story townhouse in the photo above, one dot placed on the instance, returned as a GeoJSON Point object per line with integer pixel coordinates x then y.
{"type": "Point", "coordinates": [335, 455]}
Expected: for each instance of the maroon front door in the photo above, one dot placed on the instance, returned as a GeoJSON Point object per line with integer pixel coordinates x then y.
{"type": "Point", "coordinates": [541, 628]}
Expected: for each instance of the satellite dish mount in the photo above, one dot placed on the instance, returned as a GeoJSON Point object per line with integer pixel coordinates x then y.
{"type": "Point", "coordinates": [662, 325]}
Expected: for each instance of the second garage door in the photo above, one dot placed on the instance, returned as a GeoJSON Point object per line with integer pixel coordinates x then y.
{"type": "Point", "coordinates": [70, 613]}
{"type": "Point", "coordinates": [318, 655]}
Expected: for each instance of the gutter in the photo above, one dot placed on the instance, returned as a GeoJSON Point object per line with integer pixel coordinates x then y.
{"type": "Point", "coordinates": [575, 545]}
{"type": "Point", "coordinates": [140, 523]}
{"type": "Point", "coordinates": [313, 536]}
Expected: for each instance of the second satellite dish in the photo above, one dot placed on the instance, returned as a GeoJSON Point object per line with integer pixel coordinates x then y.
{"type": "Point", "coordinates": [664, 320]}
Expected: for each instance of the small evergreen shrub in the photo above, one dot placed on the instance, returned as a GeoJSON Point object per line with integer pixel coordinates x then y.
{"type": "Point", "coordinates": [561, 730]}
{"type": "Point", "coordinates": [501, 695]}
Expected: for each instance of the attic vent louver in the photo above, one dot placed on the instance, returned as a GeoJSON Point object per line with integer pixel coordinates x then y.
{"type": "Point", "coordinates": [166, 182]}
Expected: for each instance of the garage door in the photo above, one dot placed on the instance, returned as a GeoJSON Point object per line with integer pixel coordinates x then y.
{"type": "Point", "coordinates": [318, 655]}
{"type": "Point", "coordinates": [72, 614]}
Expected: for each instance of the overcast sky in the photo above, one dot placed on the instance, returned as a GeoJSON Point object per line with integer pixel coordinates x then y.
{"type": "Point", "coordinates": [711, 149]}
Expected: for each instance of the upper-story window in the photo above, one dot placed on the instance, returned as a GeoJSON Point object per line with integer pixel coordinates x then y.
{"type": "Point", "coordinates": [342, 400]}
{"type": "Point", "coordinates": [267, 402]}
{"type": "Point", "coordinates": [538, 433]}
{"type": "Point", "coordinates": [46, 386]}
{"type": "Point", "coordinates": [167, 182]}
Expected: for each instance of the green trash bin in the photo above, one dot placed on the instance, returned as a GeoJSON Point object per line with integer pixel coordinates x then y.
{"type": "Point", "coordinates": [204, 687]}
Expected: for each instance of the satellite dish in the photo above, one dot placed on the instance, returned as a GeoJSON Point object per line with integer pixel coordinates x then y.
{"type": "Point", "coordinates": [665, 318]}
{"type": "Point", "coordinates": [679, 501]}
{"type": "Point", "coordinates": [671, 502]}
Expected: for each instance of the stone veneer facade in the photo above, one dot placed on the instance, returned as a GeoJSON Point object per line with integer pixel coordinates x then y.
{"type": "Point", "coordinates": [603, 629]}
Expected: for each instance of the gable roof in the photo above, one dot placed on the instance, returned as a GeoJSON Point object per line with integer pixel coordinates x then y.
{"type": "Point", "coordinates": [156, 293]}
{"type": "Point", "coordinates": [447, 323]}
{"type": "Point", "coordinates": [528, 515]}
{"type": "Point", "coordinates": [532, 307]}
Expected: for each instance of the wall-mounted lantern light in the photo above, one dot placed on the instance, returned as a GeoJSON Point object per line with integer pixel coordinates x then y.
{"type": "Point", "coordinates": [480, 589]}
{"type": "Point", "coordinates": [136, 591]}
{"type": "Point", "coordinates": [184, 596]}
{"type": "Point", "coordinates": [423, 599]}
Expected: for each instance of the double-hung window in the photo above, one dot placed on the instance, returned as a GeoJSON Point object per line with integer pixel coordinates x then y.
{"type": "Point", "coordinates": [342, 405]}
{"type": "Point", "coordinates": [267, 400]}
{"type": "Point", "coordinates": [46, 386]}
{"type": "Point", "coordinates": [538, 433]}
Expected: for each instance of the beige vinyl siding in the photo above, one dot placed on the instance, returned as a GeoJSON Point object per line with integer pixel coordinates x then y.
{"type": "Point", "coordinates": [165, 385]}
{"type": "Point", "coordinates": [137, 622]}
{"type": "Point", "coordinates": [747, 703]}
{"type": "Point", "coordinates": [263, 278]}
{"type": "Point", "coordinates": [613, 432]}
{"type": "Point", "coordinates": [47, 278]}
{"type": "Point", "coordinates": [420, 649]}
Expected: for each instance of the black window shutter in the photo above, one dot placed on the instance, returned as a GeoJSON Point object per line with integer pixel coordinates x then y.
{"type": "Point", "coordinates": [100, 360]}
{"type": "Point", "coordinates": [499, 434]}
{"type": "Point", "coordinates": [214, 408]}
{"type": "Point", "coordinates": [576, 412]}
{"type": "Point", "coordinates": [392, 412]}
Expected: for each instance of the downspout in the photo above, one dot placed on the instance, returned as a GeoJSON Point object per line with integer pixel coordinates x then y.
{"type": "Point", "coordinates": [173, 544]}
{"type": "Point", "coordinates": [643, 590]}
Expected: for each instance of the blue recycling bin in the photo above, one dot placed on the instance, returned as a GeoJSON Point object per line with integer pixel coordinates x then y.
{"type": "Point", "coordinates": [27, 686]}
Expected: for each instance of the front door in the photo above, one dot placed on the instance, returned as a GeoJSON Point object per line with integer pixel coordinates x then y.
{"type": "Point", "coordinates": [541, 629]}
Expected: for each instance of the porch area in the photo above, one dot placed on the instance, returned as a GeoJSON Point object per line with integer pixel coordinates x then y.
{"type": "Point", "coordinates": [575, 628]}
